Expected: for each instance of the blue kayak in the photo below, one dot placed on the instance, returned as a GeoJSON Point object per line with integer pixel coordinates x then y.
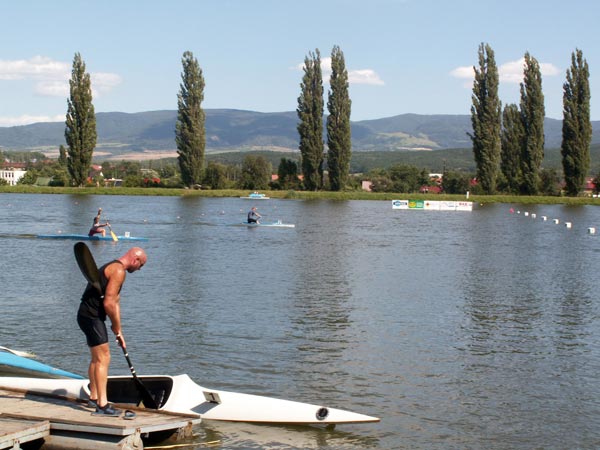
{"type": "Point", "coordinates": [18, 366]}
{"type": "Point", "coordinates": [85, 237]}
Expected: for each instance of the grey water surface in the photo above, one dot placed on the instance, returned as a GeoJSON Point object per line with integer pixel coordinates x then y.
{"type": "Point", "coordinates": [460, 330]}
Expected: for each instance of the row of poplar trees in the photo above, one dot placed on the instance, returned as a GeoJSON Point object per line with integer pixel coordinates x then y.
{"type": "Point", "coordinates": [191, 135]}
{"type": "Point", "coordinates": [310, 128]}
{"type": "Point", "coordinates": [510, 142]}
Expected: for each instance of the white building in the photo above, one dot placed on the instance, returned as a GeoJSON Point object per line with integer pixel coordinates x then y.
{"type": "Point", "coordinates": [12, 175]}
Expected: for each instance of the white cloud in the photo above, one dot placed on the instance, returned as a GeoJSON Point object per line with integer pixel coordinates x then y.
{"type": "Point", "coordinates": [52, 88]}
{"type": "Point", "coordinates": [51, 78]}
{"type": "Point", "coordinates": [38, 67]}
{"type": "Point", "coordinates": [365, 76]}
{"type": "Point", "coordinates": [509, 72]}
{"type": "Point", "coordinates": [27, 119]}
{"type": "Point", "coordinates": [104, 81]}
{"type": "Point", "coordinates": [360, 76]}
{"type": "Point", "coordinates": [463, 72]}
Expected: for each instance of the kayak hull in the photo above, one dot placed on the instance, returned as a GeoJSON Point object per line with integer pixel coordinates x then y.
{"type": "Point", "coordinates": [270, 224]}
{"type": "Point", "coordinates": [256, 197]}
{"type": "Point", "coordinates": [181, 394]}
{"type": "Point", "coordinates": [85, 237]}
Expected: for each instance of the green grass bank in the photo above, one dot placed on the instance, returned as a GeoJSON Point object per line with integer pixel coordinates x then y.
{"type": "Point", "coordinates": [300, 195]}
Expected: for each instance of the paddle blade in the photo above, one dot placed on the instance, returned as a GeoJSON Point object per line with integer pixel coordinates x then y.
{"type": "Point", "coordinates": [147, 398]}
{"type": "Point", "coordinates": [87, 265]}
{"type": "Point", "coordinates": [114, 236]}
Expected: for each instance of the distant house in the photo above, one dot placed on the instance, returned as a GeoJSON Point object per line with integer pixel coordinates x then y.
{"type": "Point", "coordinates": [12, 172]}
{"type": "Point", "coordinates": [431, 189]}
{"type": "Point", "coordinates": [367, 185]}
{"type": "Point", "coordinates": [589, 187]}
{"type": "Point", "coordinates": [113, 182]}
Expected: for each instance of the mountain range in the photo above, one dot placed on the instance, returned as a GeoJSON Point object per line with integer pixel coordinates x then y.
{"type": "Point", "coordinates": [151, 134]}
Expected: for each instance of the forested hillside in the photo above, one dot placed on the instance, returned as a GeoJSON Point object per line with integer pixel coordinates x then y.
{"type": "Point", "coordinates": [121, 134]}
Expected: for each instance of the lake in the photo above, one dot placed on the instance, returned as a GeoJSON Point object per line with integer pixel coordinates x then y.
{"type": "Point", "coordinates": [458, 329]}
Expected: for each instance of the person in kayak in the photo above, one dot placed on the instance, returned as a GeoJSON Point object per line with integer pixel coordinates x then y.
{"type": "Point", "coordinates": [91, 317]}
{"type": "Point", "coordinates": [253, 215]}
{"type": "Point", "coordinates": [97, 227]}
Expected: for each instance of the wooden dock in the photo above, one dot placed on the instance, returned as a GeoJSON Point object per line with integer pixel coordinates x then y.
{"type": "Point", "coordinates": [64, 424]}
{"type": "Point", "coordinates": [14, 432]}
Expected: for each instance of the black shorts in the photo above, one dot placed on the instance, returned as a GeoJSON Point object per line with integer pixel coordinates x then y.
{"type": "Point", "coordinates": [94, 330]}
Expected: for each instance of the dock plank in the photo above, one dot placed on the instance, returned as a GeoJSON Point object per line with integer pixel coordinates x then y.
{"type": "Point", "coordinates": [14, 432]}
{"type": "Point", "coordinates": [72, 415]}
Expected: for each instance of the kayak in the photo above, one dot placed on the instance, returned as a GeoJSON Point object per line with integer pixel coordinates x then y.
{"type": "Point", "coordinates": [278, 224]}
{"type": "Point", "coordinates": [85, 237]}
{"type": "Point", "coordinates": [180, 394]}
{"type": "Point", "coordinates": [19, 366]}
{"type": "Point", "coordinates": [256, 196]}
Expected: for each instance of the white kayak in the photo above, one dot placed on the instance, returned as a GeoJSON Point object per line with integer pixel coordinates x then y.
{"type": "Point", "coordinates": [181, 394]}
{"type": "Point", "coordinates": [277, 224]}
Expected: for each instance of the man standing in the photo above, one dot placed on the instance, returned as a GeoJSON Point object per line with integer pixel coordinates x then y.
{"type": "Point", "coordinates": [94, 308]}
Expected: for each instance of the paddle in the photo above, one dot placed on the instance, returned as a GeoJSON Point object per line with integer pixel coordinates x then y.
{"type": "Point", "coordinates": [87, 265]}
{"type": "Point", "coordinates": [147, 398]}
{"type": "Point", "coordinates": [90, 271]}
{"type": "Point", "coordinates": [112, 234]}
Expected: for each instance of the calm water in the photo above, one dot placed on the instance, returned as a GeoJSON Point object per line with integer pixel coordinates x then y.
{"type": "Point", "coordinates": [460, 330]}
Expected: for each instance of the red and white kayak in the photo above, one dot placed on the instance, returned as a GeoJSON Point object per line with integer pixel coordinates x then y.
{"type": "Point", "coordinates": [181, 394]}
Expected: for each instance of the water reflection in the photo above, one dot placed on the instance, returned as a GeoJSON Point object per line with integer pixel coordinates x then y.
{"type": "Point", "coordinates": [321, 312]}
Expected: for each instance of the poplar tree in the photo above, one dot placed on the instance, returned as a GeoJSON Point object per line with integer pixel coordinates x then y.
{"type": "Point", "coordinates": [62, 156]}
{"type": "Point", "coordinates": [486, 114]}
{"type": "Point", "coordinates": [512, 137]}
{"type": "Point", "coordinates": [80, 130]}
{"type": "Point", "coordinates": [310, 128]}
{"type": "Point", "coordinates": [577, 128]}
{"type": "Point", "coordinates": [533, 114]}
{"type": "Point", "coordinates": [338, 123]}
{"type": "Point", "coordinates": [190, 130]}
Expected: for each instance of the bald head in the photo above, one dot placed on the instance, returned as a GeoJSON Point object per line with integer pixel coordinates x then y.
{"type": "Point", "coordinates": [134, 259]}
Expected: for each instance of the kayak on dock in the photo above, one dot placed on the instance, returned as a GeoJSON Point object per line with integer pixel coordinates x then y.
{"type": "Point", "coordinates": [180, 394]}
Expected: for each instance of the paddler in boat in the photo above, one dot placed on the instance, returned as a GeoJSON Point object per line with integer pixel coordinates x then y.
{"type": "Point", "coordinates": [91, 318]}
{"type": "Point", "coordinates": [253, 215]}
{"type": "Point", "coordinates": [97, 227]}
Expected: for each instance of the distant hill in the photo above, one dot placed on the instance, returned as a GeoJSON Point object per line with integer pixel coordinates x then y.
{"type": "Point", "coordinates": [148, 133]}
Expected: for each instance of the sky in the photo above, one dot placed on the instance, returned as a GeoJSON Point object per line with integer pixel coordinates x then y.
{"type": "Point", "coordinates": [402, 56]}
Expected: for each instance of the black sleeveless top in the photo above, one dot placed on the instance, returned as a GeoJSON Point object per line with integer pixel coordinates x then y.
{"type": "Point", "coordinates": [92, 302]}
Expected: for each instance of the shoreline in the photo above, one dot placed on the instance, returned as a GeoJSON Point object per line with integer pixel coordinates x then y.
{"type": "Point", "coordinates": [300, 195]}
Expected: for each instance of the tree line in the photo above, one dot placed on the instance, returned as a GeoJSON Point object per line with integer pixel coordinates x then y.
{"type": "Point", "coordinates": [507, 143]}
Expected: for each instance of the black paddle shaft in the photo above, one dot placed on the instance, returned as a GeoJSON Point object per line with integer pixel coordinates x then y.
{"type": "Point", "coordinates": [147, 397]}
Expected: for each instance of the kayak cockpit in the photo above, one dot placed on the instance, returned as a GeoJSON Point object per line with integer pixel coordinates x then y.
{"type": "Point", "coordinates": [125, 390]}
